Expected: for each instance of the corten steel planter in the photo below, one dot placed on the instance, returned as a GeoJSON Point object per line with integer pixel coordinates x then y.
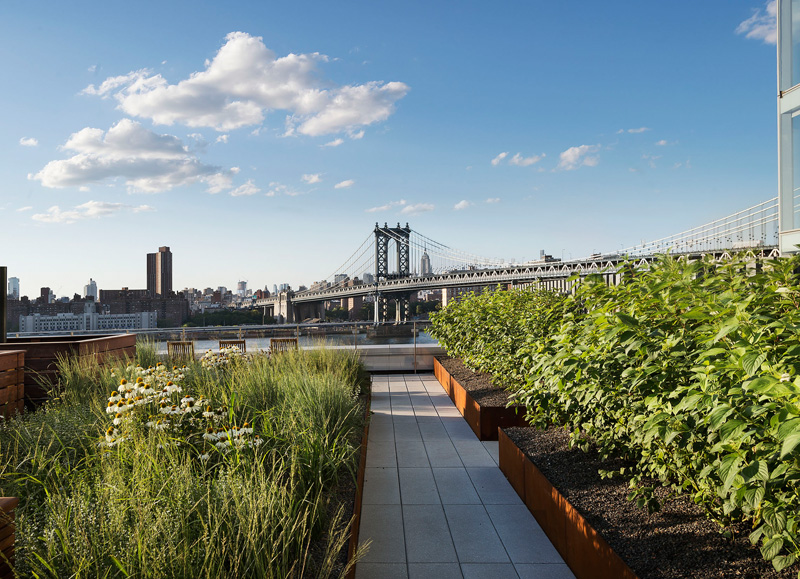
{"type": "Point", "coordinates": [483, 420]}
{"type": "Point", "coordinates": [362, 464]}
{"type": "Point", "coordinates": [583, 549]}
{"type": "Point", "coordinates": [12, 386]}
{"type": "Point", "coordinates": [41, 354]}
{"type": "Point", "coordinates": [7, 506]}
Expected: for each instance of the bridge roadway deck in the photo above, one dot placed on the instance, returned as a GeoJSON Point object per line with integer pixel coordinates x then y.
{"type": "Point", "coordinates": [435, 503]}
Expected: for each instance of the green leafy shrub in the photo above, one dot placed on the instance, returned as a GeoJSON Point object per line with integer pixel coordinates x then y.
{"type": "Point", "coordinates": [487, 331]}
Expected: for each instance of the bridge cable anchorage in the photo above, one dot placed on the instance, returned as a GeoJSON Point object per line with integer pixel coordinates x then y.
{"type": "Point", "coordinates": [756, 226]}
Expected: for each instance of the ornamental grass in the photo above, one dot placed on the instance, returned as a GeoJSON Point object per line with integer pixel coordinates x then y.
{"type": "Point", "coordinates": [230, 469]}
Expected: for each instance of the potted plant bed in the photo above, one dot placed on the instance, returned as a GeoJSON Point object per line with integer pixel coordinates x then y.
{"type": "Point", "coordinates": [482, 404]}
{"type": "Point", "coordinates": [42, 353]}
{"type": "Point", "coordinates": [601, 534]}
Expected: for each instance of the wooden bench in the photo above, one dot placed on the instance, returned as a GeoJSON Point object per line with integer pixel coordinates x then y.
{"type": "Point", "coordinates": [181, 351]}
{"type": "Point", "coordinates": [278, 345]}
{"type": "Point", "coordinates": [230, 343]}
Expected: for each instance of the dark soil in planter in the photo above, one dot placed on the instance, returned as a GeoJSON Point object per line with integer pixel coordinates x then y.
{"type": "Point", "coordinates": [478, 384]}
{"type": "Point", "coordinates": [676, 543]}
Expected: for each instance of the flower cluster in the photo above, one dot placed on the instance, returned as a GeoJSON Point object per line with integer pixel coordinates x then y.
{"type": "Point", "coordinates": [156, 398]}
{"type": "Point", "coordinates": [224, 357]}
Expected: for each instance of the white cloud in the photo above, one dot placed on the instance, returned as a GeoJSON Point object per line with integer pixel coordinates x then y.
{"type": "Point", "coordinates": [248, 188]}
{"type": "Point", "coordinates": [28, 142]}
{"type": "Point", "coordinates": [243, 82]}
{"type": "Point", "coordinates": [92, 68]}
{"type": "Point", "coordinates": [521, 161]}
{"type": "Point", "coordinates": [356, 135]}
{"type": "Point", "coordinates": [417, 209]}
{"type": "Point", "coordinates": [633, 131]}
{"type": "Point", "coordinates": [387, 207]}
{"type": "Point", "coordinates": [762, 25]}
{"type": "Point", "coordinates": [222, 139]}
{"type": "Point", "coordinates": [280, 189]}
{"type": "Point", "coordinates": [662, 143]}
{"type": "Point", "coordinates": [575, 157]}
{"type": "Point", "coordinates": [344, 184]}
{"type": "Point", "coordinates": [651, 160]}
{"type": "Point", "coordinates": [333, 143]}
{"type": "Point", "coordinates": [146, 161]}
{"type": "Point", "coordinates": [498, 158]}
{"type": "Point", "coordinates": [312, 178]}
{"type": "Point", "coordinates": [88, 210]}
{"type": "Point", "coordinates": [26, 208]}
{"type": "Point", "coordinates": [463, 204]}
{"type": "Point", "coordinates": [493, 200]}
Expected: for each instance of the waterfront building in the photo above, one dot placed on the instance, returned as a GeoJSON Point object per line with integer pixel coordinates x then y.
{"type": "Point", "coordinates": [788, 125]}
{"type": "Point", "coordinates": [90, 289]}
{"type": "Point", "coordinates": [68, 322]}
{"type": "Point", "coordinates": [159, 272]}
{"type": "Point", "coordinates": [13, 287]}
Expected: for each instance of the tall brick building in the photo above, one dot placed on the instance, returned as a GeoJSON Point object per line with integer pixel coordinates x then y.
{"type": "Point", "coordinates": [159, 272]}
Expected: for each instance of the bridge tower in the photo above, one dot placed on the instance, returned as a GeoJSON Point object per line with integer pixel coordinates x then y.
{"type": "Point", "coordinates": [401, 237]}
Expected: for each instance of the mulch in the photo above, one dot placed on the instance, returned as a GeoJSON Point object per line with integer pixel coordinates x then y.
{"type": "Point", "coordinates": [675, 543]}
{"type": "Point", "coordinates": [478, 384]}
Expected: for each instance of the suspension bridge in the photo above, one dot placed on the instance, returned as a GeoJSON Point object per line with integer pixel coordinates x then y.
{"type": "Point", "coordinates": [393, 263]}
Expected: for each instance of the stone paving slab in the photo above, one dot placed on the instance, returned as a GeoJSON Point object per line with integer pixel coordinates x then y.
{"type": "Point", "coordinates": [435, 502]}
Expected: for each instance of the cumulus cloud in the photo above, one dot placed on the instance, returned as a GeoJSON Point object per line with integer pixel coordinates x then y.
{"type": "Point", "coordinates": [333, 143]}
{"type": "Point", "coordinates": [521, 161]}
{"type": "Point", "coordinates": [222, 139]}
{"type": "Point", "coordinates": [417, 209]}
{"type": "Point", "coordinates": [387, 207]}
{"type": "Point", "coordinates": [243, 82]}
{"type": "Point", "coordinates": [248, 188]}
{"type": "Point", "coordinates": [344, 184]}
{"type": "Point", "coordinates": [148, 162]}
{"type": "Point", "coordinates": [88, 210]}
{"type": "Point", "coordinates": [575, 157]}
{"type": "Point", "coordinates": [463, 204]}
{"type": "Point", "coordinates": [26, 208]}
{"type": "Point", "coordinates": [312, 178]}
{"type": "Point", "coordinates": [493, 200]}
{"type": "Point", "coordinates": [633, 131]}
{"type": "Point", "coordinates": [662, 143]}
{"type": "Point", "coordinates": [762, 25]}
{"type": "Point", "coordinates": [498, 158]}
{"type": "Point", "coordinates": [28, 142]}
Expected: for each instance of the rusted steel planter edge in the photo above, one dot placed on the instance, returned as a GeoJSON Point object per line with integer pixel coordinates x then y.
{"type": "Point", "coordinates": [583, 549]}
{"type": "Point", "coordinates": [484, 421]}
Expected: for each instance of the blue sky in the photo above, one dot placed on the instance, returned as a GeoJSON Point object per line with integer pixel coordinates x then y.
{"type": "Point", "coordinates": [263, 140]}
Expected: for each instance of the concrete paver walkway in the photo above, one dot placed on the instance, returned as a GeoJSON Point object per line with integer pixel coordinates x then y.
{"type": "Point", "coordinates": [435, 503]}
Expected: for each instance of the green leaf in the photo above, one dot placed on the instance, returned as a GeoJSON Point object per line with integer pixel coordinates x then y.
{"type": "Point", "coordinates": [629, 321]}
{"type": "Point", "coordinates": [752, 362]}
{"type": "Point", "coordinates": [762, 385]}
{"type": "Point", "coordinates": [756, 470]}
{"type": "Point", "coordinates": [788, 427]}
{"type": "Point", "coordinates": [790, 444]}
{"type": "Point", "coordinates": [718, 415]}
{"type": "Point", "coordinates": [731, 428]}
{"type": "Point", "coordinates": [781, 562]}
{"type": "Point", "coordinates": [730, 326]}
{"type": "Point", "coordinates": [728, 470]}
{"type": "Point", "coordinates": [771, 548]}
{"type": "Point", "coordinates": [712, 352]}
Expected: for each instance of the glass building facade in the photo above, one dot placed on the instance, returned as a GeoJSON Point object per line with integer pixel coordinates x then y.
{"type": "Point", "coordinates": [789, 123]}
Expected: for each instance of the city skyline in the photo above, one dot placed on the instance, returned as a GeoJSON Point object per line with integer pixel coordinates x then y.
{"type": "Point", "coordinates": [261, 143]}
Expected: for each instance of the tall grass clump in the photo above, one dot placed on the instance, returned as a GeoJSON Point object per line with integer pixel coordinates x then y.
{"type": "Point", "coordinates": [223, 471]}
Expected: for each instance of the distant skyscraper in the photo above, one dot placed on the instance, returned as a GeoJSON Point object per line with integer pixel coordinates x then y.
{"type": "Point", "coordinates": [339, 277]}
{"type": "Point", "coordinates": [13, 287]}
{"type": "Point", "coordinates": [241, 288]}
{"type": "Point", "coordinates": [274, 288]}
{"type": "Point", "coordinates": [368, 278]}
{"type": "Point", "coordinates": [425, 264]}
{"type": "Point", "coordinates": [90, 289]}
{"type": "Point", "coordinates": [159, 272]}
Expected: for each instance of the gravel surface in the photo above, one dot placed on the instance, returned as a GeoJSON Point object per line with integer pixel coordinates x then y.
{"type": "Point", "coordinates": [677, 542]}
{"type": "Point", "coordinates": [478, 384]}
